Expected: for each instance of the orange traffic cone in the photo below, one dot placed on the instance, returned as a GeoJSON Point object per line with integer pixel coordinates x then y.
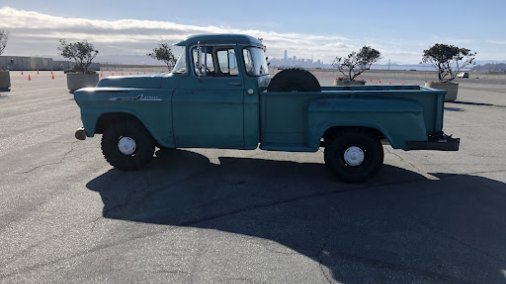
{"type": "Point", "coordinates": [29, 77]}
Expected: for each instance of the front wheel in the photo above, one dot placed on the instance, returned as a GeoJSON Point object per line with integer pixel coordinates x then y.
{"type": "Point", "coordinates": [127, 145]}
{"type": "Point", "coordinates": [354, 155]}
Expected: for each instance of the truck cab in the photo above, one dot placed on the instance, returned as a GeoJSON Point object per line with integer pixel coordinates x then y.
{"type": "Point", "coordinates": [217, 99]}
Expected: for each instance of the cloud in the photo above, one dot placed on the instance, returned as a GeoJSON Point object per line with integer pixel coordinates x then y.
{"type": "Point", "coordinates": [33, 33]}
{"type": "Point", "coordinates": [497, 42]}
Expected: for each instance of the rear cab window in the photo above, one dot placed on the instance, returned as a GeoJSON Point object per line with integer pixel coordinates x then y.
{"type": "Point", "coordinates": [211, 61]}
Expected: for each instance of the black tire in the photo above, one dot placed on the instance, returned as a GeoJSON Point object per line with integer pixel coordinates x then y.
{"type": "Point", "coordinates": [298, 80]}
{"type": "Point", "coordinates": [144, 145]}
{"type": "Point", "coordinates": [350, 140]}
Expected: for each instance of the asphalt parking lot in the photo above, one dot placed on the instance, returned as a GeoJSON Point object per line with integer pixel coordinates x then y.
{"type": "Point", "coordinates": [223, 216]}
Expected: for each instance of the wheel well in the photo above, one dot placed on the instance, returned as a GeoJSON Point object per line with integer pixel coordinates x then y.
{"type": "Point", "coordinates": [110, 118]}
{"type": "Point", "coordinates": [334, 131]}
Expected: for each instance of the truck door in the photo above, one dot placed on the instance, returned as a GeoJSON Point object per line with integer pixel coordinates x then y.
{"type": "Point", "coordinates": [208, 107]}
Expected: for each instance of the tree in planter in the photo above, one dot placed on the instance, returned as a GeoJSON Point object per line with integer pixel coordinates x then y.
{"type": "Point", "coordinates": [4, 37]}
{"type": "Point", "coordinates": [447, 58]}
{"type": "Point", "coordinates": [164, 53]}
{"type": "Point", "coordinates": [5, 78]}
{"type": "Point", "coordinates": [81, 52]}
{"type": "Point", "coordinates": [356, 63]}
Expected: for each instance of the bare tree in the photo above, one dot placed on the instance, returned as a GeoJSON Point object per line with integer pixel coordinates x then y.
{"type": "Point", "coordinates": [164, 53]}
{"type": "Point", "coordinates": [356, 63]}
{"type": "Point", "coordinates": [264, 47]}
{"type": "Point", "coordinates": [81, 52]}
{"type": "Point", "coordinates": [4, 37]}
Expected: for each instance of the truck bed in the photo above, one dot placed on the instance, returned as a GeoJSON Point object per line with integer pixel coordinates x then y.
{"type": "Point", "coordinates": [349, 105]}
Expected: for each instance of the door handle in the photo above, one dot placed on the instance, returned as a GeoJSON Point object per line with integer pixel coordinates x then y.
{"type": "Point", "coordinates": [234, 83]}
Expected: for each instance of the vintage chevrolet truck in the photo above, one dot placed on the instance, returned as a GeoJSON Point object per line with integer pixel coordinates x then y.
{"type": "Point", "coordinates": [220, 95]}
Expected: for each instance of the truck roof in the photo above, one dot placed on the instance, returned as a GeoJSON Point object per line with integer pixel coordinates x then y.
{"type": "Point", "coordinates": [220, 39]}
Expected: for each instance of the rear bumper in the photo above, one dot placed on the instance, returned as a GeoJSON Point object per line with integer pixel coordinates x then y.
{"type": "Point", "coordinates": [439, 142]}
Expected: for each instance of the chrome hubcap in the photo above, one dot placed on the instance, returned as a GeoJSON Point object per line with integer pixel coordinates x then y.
{"type": "Point", "coordinates": [127, 146]}
{"type": "Point", "coordinates": [354, 156]}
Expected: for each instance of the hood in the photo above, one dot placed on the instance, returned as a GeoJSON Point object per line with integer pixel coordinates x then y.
{"type": "Point", "coordinates": [145, 81]}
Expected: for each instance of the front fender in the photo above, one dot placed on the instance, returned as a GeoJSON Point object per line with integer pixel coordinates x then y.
{"type": "Point", "coordinates": [151, 107]}
{"type": "Point", "coordinates": [397, 119]}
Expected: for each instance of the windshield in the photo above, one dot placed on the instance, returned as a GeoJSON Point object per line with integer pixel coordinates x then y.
{"type": "Point", "coordinates": [180, 67]}
{"type": "Point", "coordinates": [255, 61]}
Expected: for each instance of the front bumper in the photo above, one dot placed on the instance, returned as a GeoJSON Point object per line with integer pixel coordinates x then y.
{"type": "Point", "coordinates": [438, 142]}
{"type": "Point", "coordinates": [80, 134]}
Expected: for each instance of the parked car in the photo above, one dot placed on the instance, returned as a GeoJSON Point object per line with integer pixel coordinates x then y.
{"type": "Point", "coordinates": [464, 75]}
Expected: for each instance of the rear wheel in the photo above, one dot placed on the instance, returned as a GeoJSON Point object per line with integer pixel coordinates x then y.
{"type": "Point", "coordinates": [354, 155]}
{"type": "Point", "coordinates": [127, 145]}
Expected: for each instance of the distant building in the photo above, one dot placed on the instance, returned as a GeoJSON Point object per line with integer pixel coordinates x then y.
{"type": "Point", "coordinates": [286, 55]}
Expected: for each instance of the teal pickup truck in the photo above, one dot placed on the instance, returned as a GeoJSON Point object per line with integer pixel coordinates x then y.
{"type": "Point", "coordinates": [220, 95]}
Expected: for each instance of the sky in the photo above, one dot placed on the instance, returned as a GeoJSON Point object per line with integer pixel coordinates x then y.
{"type": "Point", "coordinates": [400, 30]}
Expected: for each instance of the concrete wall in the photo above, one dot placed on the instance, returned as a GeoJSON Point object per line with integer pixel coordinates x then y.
{"type": "Point", "coordinates": [16, 63]}
{"type": "Point", "coordinates": [22, 63]}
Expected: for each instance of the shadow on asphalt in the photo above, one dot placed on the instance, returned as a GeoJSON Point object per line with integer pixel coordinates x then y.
{"type": "Point", "coordinates": [397, 227]}
{"type": "Point", "coordinates": [477, 104]}
{"type": "Point", "coordinates": [454, 109]}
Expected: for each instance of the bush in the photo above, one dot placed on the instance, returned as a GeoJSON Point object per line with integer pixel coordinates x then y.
{"type": "Point", "coordinates": [356, 63]}
{"type": "Point", "coordinates": [164, 53]}
{"type": "Point", "coordinates": [81, 53]}
{"type": "Point", "coordinates": [446, 59]}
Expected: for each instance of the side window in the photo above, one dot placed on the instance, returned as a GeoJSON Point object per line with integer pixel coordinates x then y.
{"type": "Point", "coordinates": [203, 65]}
{"type": "Point", "coordinates": [227, 62]}
{"type": "Point", "coordinates": [248, 62]}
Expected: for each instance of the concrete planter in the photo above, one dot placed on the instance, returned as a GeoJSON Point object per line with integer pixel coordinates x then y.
{"type": "Point", "coordinates": [452, 89]}
{"type": "Point", "coordinates": [78, 80]}
{"type": "Point", "coordinates": [348, 83]}
{"type": "Point", "coordinates": [5, 81]}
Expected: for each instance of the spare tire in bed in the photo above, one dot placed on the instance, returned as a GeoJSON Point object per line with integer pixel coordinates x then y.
{"type": "Point", "coordinates": [294, 79]}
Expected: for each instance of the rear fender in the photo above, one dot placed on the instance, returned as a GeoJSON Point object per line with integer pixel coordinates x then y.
{"type": "Point", "coordinates": [398, 120]}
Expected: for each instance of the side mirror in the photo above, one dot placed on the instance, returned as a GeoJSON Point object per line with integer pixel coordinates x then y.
{"type": "Point", "coordinates": [198, 63]}
{"type": "Point", "coordinates": [201, 61]}
{"type": "Point", "coordinates": [232, 64]}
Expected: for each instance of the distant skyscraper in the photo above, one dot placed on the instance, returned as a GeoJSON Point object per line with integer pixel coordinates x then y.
{"type": "Point", "coordinates": [286, 55]}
